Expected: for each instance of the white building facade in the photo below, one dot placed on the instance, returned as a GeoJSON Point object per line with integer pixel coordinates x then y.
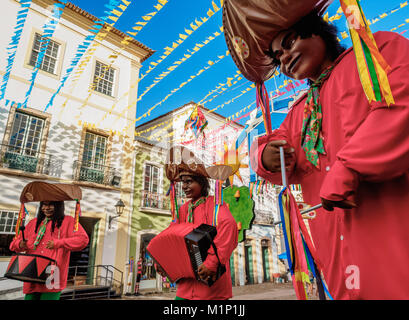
{"type": "Point", "coordinates": [84, 138]}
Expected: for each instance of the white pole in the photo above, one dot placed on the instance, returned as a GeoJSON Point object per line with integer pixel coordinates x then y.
{"type": "Point", "coordinates": [283, 173]}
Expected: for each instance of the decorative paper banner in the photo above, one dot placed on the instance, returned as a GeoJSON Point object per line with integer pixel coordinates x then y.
{"type": "Point", "coordinates": [83, 47]}
{"type": "Point", "coordinates": [105, 68]}
{"type": "Point", "coordinates": [140, 24]}
{"type": "Point", "coordinates": [210, 64]}
{"type": "Point", "coordinates": [114, 15]}
{"type": "Point", "coordinates": [222, 85]}
{"type": "Point", "coordinates": [15, 39]}
{"type": "Point", "coordinates": [47, 33]}
{"type": "Point", "coordinates": [177, 63]}
{"type": "Point", "coordinates": [182, 37]}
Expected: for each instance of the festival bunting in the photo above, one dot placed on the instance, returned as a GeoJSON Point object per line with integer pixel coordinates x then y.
{"type": "Point", "coordinates": [113, 15]}
{"type": "Point", "coordinates": [177, 63]}
{"type": "Point", "coordinates": [82, 48]}
{"type": "Point", "coordinates": [15, 39]}
{"type": "Point", "coordinates": [210, 64]}
{"type": "Point", "coordinates": [47, 33]}
{"type": "Point", "coordinates": [182, 37]}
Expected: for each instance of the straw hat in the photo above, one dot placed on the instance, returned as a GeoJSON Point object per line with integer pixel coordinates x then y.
{"type": "Point", "coordinates": [250, 26]}
{"type": "Point", "coordinates": [182, 161]}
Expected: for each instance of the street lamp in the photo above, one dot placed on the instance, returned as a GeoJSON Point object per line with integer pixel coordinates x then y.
{"type": "Point", "coordinates": [119, 207]}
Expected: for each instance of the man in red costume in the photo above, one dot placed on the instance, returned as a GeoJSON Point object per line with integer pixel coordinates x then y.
{"type": "Point", "coordinates": [194, 178]}
{"type": "Point", "coordinates": [348, 154]}
{"type": "Point", "coordinates": [50, 234]}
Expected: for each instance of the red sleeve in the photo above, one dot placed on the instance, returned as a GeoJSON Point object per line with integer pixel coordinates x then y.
{"type": "Point", "coordinates": [257, 148]}
{"type": "Point", "coordinates": [379, 148]}
{"type": "Point", "coordinates": [15, 244]}
{"type": "Point", "coordinates": [225, 240]}
{"type": "Point", "coordinates": [75, 241]}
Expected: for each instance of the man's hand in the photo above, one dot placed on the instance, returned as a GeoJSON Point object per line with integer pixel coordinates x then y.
{"type": "Point", "coordinates": [205, 274]}
{"type": "Point", "coordinates": [50, 244]}
{"type": "Point", "coordinates": [23, 244]}
{"type": "Point", "coordinates": [329, 205]}
{"type": "Point", "coordinates": [271, 156]}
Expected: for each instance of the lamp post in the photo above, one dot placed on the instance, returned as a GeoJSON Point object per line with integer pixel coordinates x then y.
{"type": "Point", "coordinates": [119, 207]}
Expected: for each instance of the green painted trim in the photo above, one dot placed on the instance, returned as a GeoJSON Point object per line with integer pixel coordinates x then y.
{"type": "Point", "coordinates": [93, 253]}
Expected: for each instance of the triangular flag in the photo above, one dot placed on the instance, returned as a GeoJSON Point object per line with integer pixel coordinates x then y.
{"type": "Point", "coordinates": [23, 262]}
{"type": "Point", "coordinates": [41, 265]}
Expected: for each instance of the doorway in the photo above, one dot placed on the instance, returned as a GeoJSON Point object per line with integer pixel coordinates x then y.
{"type": "Point", "coordinates": [248, 256]}
{"type": "Point", "coordinates": [82, 262]}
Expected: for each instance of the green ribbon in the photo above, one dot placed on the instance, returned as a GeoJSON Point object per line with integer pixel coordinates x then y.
{"type": "Point", "coordinates": [41, 232]}
{"type": "Point", "coordinates": [192, 207]}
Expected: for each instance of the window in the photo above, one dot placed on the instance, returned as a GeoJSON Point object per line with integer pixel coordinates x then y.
{"type": "Point", "coordinates": [22, 152]}
{"type": "Point", "coordinates": [93, 159]}
{"type": "Point", "coordinates": [151, 179]}
{"type": "Point", "coordinates": [104, 79]}
{"type": "Point", "coordinates": [8, 221]}
{"type": "Point", "coordinates": [49, 63]}
{"type": "Point", "coordinates": [94, 150]}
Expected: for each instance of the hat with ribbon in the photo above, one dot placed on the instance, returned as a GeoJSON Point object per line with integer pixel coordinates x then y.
{"type": "Point", "coordinates": [251, 25]}
{"type": "Point", "coordinates": [182, 161]}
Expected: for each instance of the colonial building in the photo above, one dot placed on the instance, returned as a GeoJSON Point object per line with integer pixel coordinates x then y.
{"type": "Point", "coordinates": [84, 137]}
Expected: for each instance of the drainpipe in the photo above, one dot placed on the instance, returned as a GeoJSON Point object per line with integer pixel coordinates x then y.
{"type": "Point", "coordinates": [130, 214]}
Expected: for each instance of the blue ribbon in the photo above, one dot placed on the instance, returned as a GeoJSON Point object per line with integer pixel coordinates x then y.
{"type": "Point", "coordinates": [81, 49]}
{"type": "Point", "coordinates": [48, 31]}
{"type": "Point", "coordinates": [12, 47]}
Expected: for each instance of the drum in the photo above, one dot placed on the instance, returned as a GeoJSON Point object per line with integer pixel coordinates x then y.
{"type": "Point", "coordinates": [29, 267]}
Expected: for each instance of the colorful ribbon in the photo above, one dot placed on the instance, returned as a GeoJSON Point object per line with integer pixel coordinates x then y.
{"type": "Point", "coordinates": [300, 251]}
{"type": "Point", "coordinates": [372, 67]}
{"type": "Point", "coordinates": [77, 215]}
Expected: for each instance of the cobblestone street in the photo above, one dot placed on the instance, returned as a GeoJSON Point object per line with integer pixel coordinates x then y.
{"type": "Point", "coordinates": [264, 291]}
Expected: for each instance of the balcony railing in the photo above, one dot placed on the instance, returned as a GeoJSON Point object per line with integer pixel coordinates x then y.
{"type": "Point", "coordinates": [94, 172]}
{"type": "Point", "coordinates": [263, 217]}
{"type": "Point", "coordinates": [28, 160]}
{"type": "Point", "coordinates": [154, 201]}
{"type": "Point", "coordinates": [159, 201]}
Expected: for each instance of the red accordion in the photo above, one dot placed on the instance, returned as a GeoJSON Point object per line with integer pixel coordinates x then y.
{"type": "Point", "coordinates": [180, 249]}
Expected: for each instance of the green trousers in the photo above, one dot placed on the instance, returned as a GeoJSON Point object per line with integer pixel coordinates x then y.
{"type": "Point", "coordinates": [43, 296]}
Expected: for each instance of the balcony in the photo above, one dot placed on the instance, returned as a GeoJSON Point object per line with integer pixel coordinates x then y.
{"type": "Point", "coordinates": [263, 217]}
{"type": "Point", "coordinates": [28, 160]}
{"type": "Point", "coordinates": [93, 172]}
{"type": "Point", "coordinates": [158, 201]}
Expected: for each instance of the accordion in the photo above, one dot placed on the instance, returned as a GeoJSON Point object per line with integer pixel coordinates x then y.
{"type": "Point", "coordinates": [180, 249]}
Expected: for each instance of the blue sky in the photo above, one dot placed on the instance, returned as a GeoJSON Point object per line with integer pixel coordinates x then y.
{"type": "Point", "coordinates": [164, 28]}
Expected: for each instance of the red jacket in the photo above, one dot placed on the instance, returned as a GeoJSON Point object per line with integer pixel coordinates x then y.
{"type": "Point", "coordinates": [225, 241]}
{"type": "Point", "coordinates": [65, 240]}
{"type": "Point", "coordinates": [365, 251]}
